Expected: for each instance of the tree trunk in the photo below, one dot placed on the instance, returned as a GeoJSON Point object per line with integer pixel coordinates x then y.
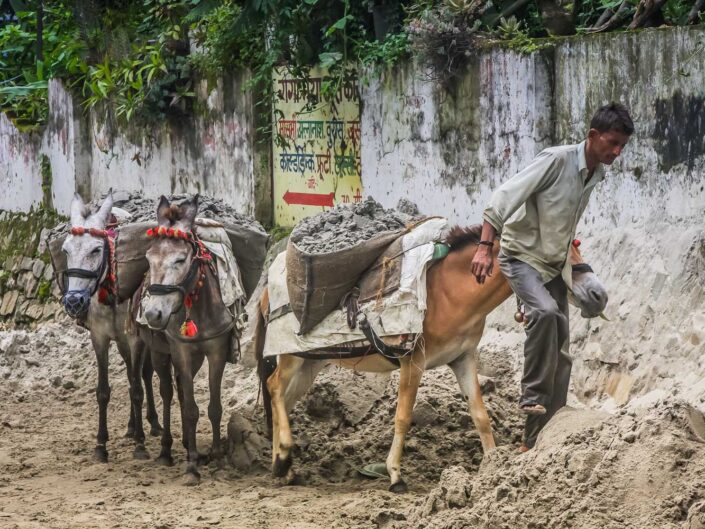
{"type": "Point", "coordinates": [693, 16]}
{"type": "Point", "coordinates": [648, 14]}
{"type": "Point", "coordinates": [557, 20]}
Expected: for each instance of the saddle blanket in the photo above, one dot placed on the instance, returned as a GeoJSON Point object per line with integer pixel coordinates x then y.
{"type": "Point", "coordinates": [395, 311]}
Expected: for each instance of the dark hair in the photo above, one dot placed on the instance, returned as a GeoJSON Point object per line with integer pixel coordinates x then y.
{"type": "Point", "coordinates": [613, 116]}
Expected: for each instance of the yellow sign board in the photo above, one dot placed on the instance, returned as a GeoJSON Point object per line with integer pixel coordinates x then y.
{"type": "Point", "coordinates": [316, 144]}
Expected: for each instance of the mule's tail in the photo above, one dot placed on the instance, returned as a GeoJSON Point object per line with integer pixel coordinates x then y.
{"type": "Point", "coordinates": [265, 366]}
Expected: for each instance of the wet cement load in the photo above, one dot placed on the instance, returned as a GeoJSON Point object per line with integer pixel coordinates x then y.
{"type": "Point", "coordinates": [327, 254]}
{"type": "Point", "coordinates": [247, 236]}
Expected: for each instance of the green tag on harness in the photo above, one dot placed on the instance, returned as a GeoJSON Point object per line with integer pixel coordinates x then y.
{"type": "Point", "coordinates": [440, 250]}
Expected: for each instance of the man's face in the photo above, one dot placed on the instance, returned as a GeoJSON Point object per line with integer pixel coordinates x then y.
{"type": "Point", "coordinates": [606, 146]}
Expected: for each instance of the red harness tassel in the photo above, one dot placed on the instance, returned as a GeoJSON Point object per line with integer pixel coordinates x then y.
{"type": "Point", "coordinates": [189, 329]}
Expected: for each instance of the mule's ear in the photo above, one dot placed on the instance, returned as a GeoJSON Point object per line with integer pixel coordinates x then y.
{"type": "Point", "coordinates": [103, 214]}
{"type": "Point", "coordinates": [78, 210]}
{"type": "Point", "coordinates": [189, 210]}
{"type": "Point", "coordinates": [164, 212]}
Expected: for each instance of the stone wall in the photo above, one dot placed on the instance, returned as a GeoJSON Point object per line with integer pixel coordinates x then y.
{"type": "Point", "coordinates": [28, 293]}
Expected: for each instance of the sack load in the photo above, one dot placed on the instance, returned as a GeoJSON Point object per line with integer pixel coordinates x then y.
{"type": "Point", "coordinates": [327, 254]}
{"type": "Point", "coordinates": [135, 214]}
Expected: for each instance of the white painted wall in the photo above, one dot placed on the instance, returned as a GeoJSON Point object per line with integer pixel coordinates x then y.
{"type": "Point", "coordinates": [210, 153]}
{"type": "Point", "coordinates": [447, 150]}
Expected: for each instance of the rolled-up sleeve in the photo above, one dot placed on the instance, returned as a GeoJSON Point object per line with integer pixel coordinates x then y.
{"type": "Point", "coordinates": [514, 192]}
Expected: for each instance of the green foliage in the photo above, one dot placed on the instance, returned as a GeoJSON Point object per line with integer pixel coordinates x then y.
{"type": "Point", "coordinates": [138, 59]}
{"type": "Point", "coordinates": [23, 78]}
{"type": "Point", "coordinates": [43, 290]}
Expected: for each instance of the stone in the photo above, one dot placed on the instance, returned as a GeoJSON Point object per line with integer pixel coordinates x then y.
{"type": "Point", "coordinates": [35, 311]}
{"type": "Point", "coordinates": [26, 264]}
{"type": "Point", "coordinates": [38, 268]}
{"type": "Point", "coordinates": [245, 445]}
{"type": "Point", "coordinates": [48, 272]}
{"type": "Point", "coordinates": [50, 309]}
{"type": "Point", "coordinates": [69, 384]}
{"type": "Point", "coordinates": [43, 240]}
{"type": "Point", "coordinates": [424, 414]}
{"type": "Point", "coordinates": [9, 300]}
{"type": "Point", "coordinates": [29, 284]}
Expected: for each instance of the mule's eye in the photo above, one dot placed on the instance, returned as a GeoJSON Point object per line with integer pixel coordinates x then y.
{"type": "Point", "coordinates": [95, 251]}
{"type": "Point", "coordinates": [180, 261]}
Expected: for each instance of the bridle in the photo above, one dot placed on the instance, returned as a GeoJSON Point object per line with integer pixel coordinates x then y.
{"type": "Point", "coordinates": [105, 276]}
{"type": "Point", "coordinates": [189, 287]}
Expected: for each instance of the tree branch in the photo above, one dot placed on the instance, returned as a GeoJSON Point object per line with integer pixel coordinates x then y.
{"type": "Point", "coordinates": [615, 20]}
{"type": "Point", "coordinates": [693, 16]}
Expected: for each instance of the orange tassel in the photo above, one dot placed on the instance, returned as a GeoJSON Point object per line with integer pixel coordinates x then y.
{"type": "Point", "coordinates": [189, 329]}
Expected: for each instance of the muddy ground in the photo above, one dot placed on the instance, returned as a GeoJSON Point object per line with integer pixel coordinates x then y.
{"type": "Point", "coordinates": [634, 467]}
{"type": "Point", "coordinates": [48, 421]}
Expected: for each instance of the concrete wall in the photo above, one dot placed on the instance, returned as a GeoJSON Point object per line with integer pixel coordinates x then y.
{"type": "Point", "coordinates": [447, 149]}
{"type": "Point", "coordinates": [211, 153]}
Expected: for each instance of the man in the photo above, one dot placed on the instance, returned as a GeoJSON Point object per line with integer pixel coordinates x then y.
{"type": "Point", "coordinates": [535, 213]}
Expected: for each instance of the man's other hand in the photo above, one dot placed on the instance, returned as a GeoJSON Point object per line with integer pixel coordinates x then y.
{"type": "Point", "coordinates": [482, 263]}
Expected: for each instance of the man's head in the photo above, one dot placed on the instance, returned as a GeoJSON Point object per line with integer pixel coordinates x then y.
{"type": "Point", "coordinates": [610, 129]}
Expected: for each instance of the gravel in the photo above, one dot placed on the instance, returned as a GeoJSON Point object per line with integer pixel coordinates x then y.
{"type": "Point", "coordinates": [144, 209]}
{"type": "Point", "coordinates": [347, 225]}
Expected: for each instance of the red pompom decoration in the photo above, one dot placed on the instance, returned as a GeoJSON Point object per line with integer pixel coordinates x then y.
{"type": "Point", "coordinates": [150, 232]}
{"type": "Point", "coordinates": [103, 295]}
{"type": "Point", "coordinates": [576, 243]}
{"type": "Point", "coordinates": [189, 329]}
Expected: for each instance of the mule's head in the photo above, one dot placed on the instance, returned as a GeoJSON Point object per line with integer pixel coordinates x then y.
{"type": "Point", "coordinates": [588, 292]}
{"type": "Point", "coordinates": [171, 263]}
{"type": "Point", "coordinates": [86, 256]}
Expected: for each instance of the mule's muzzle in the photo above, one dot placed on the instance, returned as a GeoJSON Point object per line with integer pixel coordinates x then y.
{"type": "Point", "coordinates": [76, 302]}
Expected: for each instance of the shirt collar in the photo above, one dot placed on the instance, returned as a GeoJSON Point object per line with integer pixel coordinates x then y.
{"type": "Point", "coordinates": [599, 173]}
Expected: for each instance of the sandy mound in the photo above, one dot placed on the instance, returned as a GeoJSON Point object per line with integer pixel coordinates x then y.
{"type": "Point", "coordinates": [588, 470]}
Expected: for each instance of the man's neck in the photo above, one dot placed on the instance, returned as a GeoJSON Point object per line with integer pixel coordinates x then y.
{"type": "Point", "coordinates": [590, 160]}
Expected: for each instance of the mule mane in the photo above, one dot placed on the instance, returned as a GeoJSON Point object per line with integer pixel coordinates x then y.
{"type": "Point", "coordinates": [458, 238]}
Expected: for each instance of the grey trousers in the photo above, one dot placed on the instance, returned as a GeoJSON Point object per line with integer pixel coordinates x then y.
{"type": "Point", "coordinates": [547, 363]}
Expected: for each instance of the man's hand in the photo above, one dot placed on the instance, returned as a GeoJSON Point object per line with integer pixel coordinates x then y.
{"type": "Point", "coordinates": [482, 263]}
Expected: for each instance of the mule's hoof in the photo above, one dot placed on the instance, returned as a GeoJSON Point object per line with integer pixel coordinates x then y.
{"type": "Point", "coordinates": [155, 431]}
{"type": "Point", "coordinates": [165, 460]}
{"type": "Point", "coordinates": [140, 453]}
{"type": "Point", "coordinates": [203, 459]}
{"type": "Point", "coordinates": [130, 433]}
{"type": "Point", "coordinates": [100, 454]}
{"type": "Point", "coordinates": [191, 478]}
{"type": "Point", "coordinates": [281, 467]}
{"type": "Point", "coordinates": [399, 487]}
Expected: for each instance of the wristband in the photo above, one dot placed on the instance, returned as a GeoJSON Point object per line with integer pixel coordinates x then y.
{"type": "Point", "coordinates": [486, 243]}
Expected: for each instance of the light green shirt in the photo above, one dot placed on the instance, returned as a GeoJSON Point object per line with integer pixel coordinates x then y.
{"type": "Point", "coordinates": [538, 209]}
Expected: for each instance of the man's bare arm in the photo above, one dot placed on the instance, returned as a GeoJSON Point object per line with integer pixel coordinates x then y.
{"type": "Point", "coordinates": [482, 263]}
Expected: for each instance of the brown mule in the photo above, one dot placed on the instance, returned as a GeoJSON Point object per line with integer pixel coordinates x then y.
{"type": "Point", "coordinates": [453, 326]}
{"type": "Point", "coordinates": [183, 287]}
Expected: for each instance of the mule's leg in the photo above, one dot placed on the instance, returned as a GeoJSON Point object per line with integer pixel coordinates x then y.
{"type": "Point", "coordinates": [147, 375]}
{"type": "Point", "coordinates": [465, 369]}
{"type": "Point", "coordinates": [195, 366]}
{"type": "Point", "coordinates": [216, 366]}
{"type": "Point", "coordinates": [162, 365]}
{"type": "Point", "coordinates": [101, 345]}
{"type": "Point", "coordinates": [181, 358]}
{"type": "Point", "coordinates": [133, 353]}
{"type": "Point", "coordinates": [292, 378]}
{"type": "Point", "coordinates": [409, 379]}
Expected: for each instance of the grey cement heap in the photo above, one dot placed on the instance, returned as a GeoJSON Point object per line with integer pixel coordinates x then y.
{"type": "Point", "coordinates": [347, 225]}
{"type": "Point", "coordinates": [144, 209]}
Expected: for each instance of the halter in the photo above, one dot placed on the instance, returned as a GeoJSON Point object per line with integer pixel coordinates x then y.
{"type": "Point", "coordinates": [107, 295]}
{"type": "Point", "coordinates": [196, 275]}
